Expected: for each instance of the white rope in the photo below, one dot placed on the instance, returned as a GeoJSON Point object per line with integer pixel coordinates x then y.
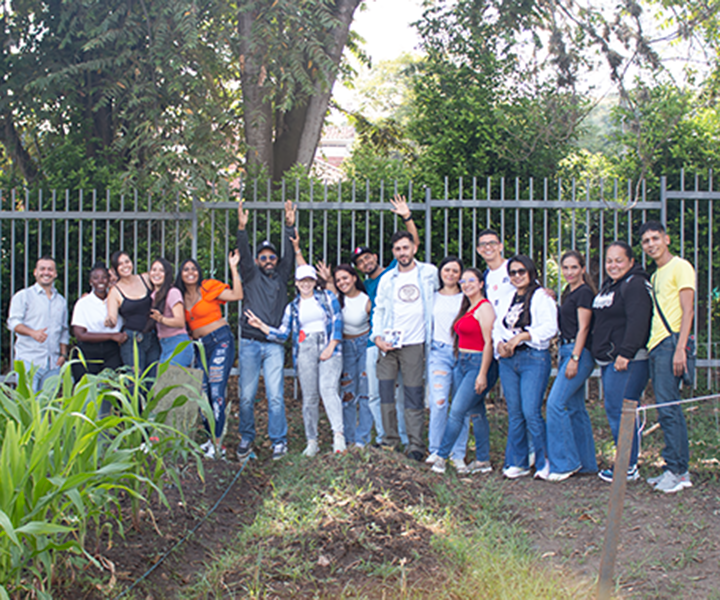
{"type": "Point", "coordinates": [676, 402]}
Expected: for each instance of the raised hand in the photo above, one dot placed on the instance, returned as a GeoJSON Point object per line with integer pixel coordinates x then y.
{"type": "Point", "coordinates": [290, 211]}
{"type": "Point", "coordinates": [400, 206]}
{"type": "Point", "coordinates": [234, 258]}
{"type": "Point", "coordinates": [243, 216]}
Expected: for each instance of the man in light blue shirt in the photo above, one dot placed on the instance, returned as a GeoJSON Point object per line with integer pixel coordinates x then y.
{"type": "Point", "coordinates": [38, 316]}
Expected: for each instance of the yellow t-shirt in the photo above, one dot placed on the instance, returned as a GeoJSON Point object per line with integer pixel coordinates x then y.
{"type": "Point", "coordinates": [676, 275]}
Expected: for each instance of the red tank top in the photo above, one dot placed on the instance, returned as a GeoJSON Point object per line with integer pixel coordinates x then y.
{"type": "Point", "coordinates": [469, 332]}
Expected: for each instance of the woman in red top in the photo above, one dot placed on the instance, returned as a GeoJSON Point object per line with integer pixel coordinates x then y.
{"type": "Point", "coordinates": [474, 375]}
{"type": "Point", "coordinates": [203, 299]}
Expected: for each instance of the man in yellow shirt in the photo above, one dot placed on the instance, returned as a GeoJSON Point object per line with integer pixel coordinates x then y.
{"type": "Point", "coordinates": [674, 291]}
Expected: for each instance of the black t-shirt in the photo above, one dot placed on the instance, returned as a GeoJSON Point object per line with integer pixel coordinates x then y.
{"type": "Point", "coordinates": [518, 315]}
{"type": "Point", "coordinates": [582, 297]}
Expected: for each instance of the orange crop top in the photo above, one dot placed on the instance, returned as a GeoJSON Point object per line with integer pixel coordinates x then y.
{"type": "Point", "coordinates": [207, 309]}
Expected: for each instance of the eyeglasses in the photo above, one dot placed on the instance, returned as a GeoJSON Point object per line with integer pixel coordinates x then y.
{"type": "Point", "coordinates": [267, 257]}
{"type": "Point", "coordinates": [487, 244]}
{"type": "Point", "coordinates": [517, 272]}
{"type": "Point", "coordinates": [468, 280]}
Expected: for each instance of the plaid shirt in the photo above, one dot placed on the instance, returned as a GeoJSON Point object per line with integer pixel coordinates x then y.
{"type": "Point", "coordinates": [291, 322]}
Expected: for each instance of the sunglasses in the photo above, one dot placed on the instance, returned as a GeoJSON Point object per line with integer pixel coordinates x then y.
{"type": "Point", "coordinates": [267, 257]}
{"type": "Point", "coordinates": [517, 272]}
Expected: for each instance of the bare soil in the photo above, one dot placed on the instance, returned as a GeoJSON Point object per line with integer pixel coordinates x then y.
{"type": "Point", "coordinates": [669, 548]}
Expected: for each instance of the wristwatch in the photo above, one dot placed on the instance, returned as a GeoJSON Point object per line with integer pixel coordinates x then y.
{"type": "Point", "coordinates": [575, 357]}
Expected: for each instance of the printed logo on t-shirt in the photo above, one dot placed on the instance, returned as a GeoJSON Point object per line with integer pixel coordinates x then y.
{"type": "Point", "coordinates": [603, 300]}
{"type": "Point", "coordinates": [513, 315]}
{"type": "Point", "coordinates": [408, 293]}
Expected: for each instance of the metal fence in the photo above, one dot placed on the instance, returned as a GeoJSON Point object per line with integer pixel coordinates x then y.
{"type": "Point", "coordinates": [542, 219]}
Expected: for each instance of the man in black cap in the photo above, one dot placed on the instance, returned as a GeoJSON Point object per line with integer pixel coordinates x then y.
{"type": "Point", "coordinates": [368, 264]}
{"type": "Point", "coordinates": [265, 284]}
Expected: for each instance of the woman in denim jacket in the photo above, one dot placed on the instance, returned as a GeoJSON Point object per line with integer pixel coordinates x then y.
{"type": "Point", "coordinates": [314, 318]}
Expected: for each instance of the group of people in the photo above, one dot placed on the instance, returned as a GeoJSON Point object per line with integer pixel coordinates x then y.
{"type": "Point", "coordinates": [366, 340]}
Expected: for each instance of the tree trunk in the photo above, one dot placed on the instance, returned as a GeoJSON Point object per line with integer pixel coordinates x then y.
{"type": "Point", "coordinates": [257, 110]}
{"type": "Point", "coordinates": [318, 103]}
{"type": "Point", "coordinates": [13, 145]}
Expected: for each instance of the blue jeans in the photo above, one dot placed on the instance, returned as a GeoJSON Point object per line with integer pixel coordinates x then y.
{"type": "Point", "coordinates": [168, 345]}
{"type": "Point", "coordinates": [219, 356]}
{"type": "Point", "coordinates": [619, 386]}
{"type": "Point", "coordinates": [441, 365]}
{"type": "Point", "coordinates": [357, 418]}
{"type": "Point", "coordinates": [570, 443]}
{"type": "Point", "coordinates": [672, 419]}
{"type": "Point", "coordinates": [147, 346]}
{"type": "Point", "coordinates": [268, 357]}
{"type": "Point", "coordinates": [524, 378]}
{"type": "Point", "coordinates": [467, 402]}
{"type": "Point", "coordinates": [42, 373]}
{"type": "Point", "coordinates": [374, 398]}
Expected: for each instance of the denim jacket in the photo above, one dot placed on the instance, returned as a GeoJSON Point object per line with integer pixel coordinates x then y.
{"type": "Point", "coordinates": [383, 313]}
{"type": "Point", "coordinates": [291, 322]}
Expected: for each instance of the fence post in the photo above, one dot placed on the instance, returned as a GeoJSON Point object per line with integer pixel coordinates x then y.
{"type": "Point", "coordinates": [194, 228]}
{"type": "Point", "coordinates": [428, 225]}
{"type": "Point", "coordinates": [663, 200]}
{"type": "Point", "coordinates": [617, 499]}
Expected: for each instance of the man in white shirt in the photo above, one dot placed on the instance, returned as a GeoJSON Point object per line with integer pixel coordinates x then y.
{"type": "Point", "coordinates": [402, 329]}
{"type": "Point", "coordinates": [38, 316]}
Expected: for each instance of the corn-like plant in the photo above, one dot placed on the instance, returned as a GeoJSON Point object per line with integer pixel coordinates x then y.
{"type": "Point", "coordinates": [62, 468]}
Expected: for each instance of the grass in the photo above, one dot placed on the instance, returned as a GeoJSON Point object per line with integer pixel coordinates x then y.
{"type": "Point", "coordinates": [334, 527]}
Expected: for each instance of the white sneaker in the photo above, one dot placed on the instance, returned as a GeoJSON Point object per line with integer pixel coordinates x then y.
{"type": "Point", "coordinates": [544, 472]}
{"type": "Point", "coordinates": [558, 477]}
{"type": "Point", "coordinates": [515, 472]}
{"type": "Point", "coordinates": [432, 458]}
{"type": "Point", "coordinates": [208, 449]}
{"type": "Point", "coordinates": [671, 482]}
{"type": "Point", "coordinates": [339, 442]}
{"type": "Point", "coordinates": [311, 449]}
{"type": "Point", "coordinates": [479, 466]}
{"type": "Point", "coordinates": [438, 465]}
{"type": "Point", "coordinates": [460, 466]}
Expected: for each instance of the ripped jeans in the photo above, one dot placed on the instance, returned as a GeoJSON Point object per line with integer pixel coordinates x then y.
{"type": "Point", "coordinates": [441, 365]}
{"type": "Point", "coordinates": [219, 348]}
{"type": "Point", "coordinates": [357, 418]}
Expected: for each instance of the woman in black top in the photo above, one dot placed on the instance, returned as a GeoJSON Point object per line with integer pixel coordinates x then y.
{"type": "Point", "coordinates": [570, 443]}
{"type": "Point", "coordinates": [131, 299]}
{"type": "Point", "coordinates": [622, 310]}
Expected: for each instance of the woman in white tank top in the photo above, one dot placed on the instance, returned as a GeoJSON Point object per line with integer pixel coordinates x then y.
{"type": "Point", "coordinates": [356, 306]}
{"type": "Point", "coordinates": [442, 359]}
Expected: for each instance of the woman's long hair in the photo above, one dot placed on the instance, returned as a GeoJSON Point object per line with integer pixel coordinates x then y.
{"type": "Point", "coordinates": [359, 285]}
{"type": "Point", "coordinates": [465, 304]}
{"type": "Point", "coordinates": [115, 259]}
{"type": "Point", "coordinates": [179, 283]}
{"type": "Point", "coordinates": [161, 294]}
{"type": "Point", "coordinates": [445, 261]}
{"type": "Point", "coordinates": [586, 276]}
{"type": "Point", "coordinates": [528, 263]}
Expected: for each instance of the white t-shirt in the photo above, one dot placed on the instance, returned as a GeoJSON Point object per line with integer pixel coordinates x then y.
{"type": "Point", "coordinates": [408, 312]}
{"type": "Point", "coordinates": [445, 310]}
{"type": "Point", "coordinates": [356, 319]}
{"type": "Point", "coordinates": [311, 316]}
{"type": "Point", "coordinates": [90, 312]}
{"type": "Point", "coordinates": [499, 290]}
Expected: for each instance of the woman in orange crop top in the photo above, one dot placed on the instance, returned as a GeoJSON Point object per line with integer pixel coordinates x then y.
{"type": "Point", "coordinates": [475, 373]}
{"type": "Point", "coordinates": [203, 299]}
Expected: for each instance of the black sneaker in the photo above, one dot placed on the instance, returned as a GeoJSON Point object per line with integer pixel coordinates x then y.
{"type": "Point", "coordinates": [279, 450]}
{"type": "Point", "coordinates": [416, 455]}
{"type": "Point", "coordinates": [244, 449]}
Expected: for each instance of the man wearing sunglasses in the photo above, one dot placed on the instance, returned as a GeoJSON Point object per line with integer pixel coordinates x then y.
{"type": "Point", "coordinates": [265, 282]}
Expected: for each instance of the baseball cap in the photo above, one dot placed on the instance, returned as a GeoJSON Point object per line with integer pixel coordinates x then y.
{"type": "Point", "coordinates": [266, 245]}
{"type": "Point", "coordinates": [305, 271]}
{"type": "Point", "coordinates": [359, 251]}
